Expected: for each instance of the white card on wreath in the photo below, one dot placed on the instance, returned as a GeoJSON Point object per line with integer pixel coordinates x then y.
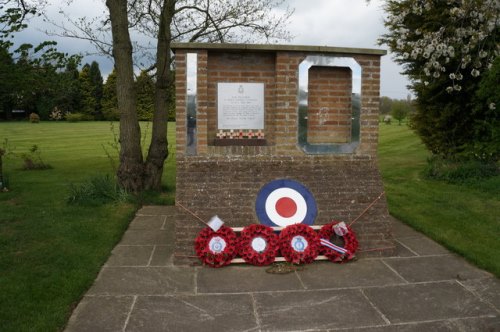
{"type": "Point", "coordinates": [215, 223]}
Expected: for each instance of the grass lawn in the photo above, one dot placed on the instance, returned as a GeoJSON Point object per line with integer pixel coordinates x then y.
{"type": "Point", "coordinates": [51, 252]}
{"type": "Point", "coordinates": [464, 218]}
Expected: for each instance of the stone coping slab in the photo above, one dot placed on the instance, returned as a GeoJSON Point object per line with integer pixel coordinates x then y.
{"type": "Point", "coordinates": [276, 47]}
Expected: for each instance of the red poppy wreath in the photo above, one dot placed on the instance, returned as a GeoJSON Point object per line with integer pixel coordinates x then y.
{"type": "Point", "coordinates": [216, 249]}
{"type": "Point", "coordinates": [338, 253]}
{"type": "Point", "coordinates": [299, 244]}
{"type": "Point", "coordinates": [258, 245]}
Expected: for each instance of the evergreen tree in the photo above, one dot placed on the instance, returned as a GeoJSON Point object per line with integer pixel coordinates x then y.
{"type": "Point", "coordinates": [88, 101]}
{"type": "Point", "coordinates": [7, 88]}
{"type": "Point", "coordinates": [69, 98]}
{"type": "Point", "coordinates": [109, 99]}
{"type": "Point", "coordinates": [97, 87]}
{"type": "Point", "coordinates": [145, 88]}
{"type": "Point", "coordinates": [487, 116]}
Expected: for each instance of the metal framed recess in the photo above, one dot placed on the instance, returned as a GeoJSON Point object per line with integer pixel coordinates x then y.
{"type": "Point", "coordinates": [303, 105]}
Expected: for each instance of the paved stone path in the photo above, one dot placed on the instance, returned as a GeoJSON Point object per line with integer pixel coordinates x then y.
{"type": "Point", "coordinates": [423, 288]}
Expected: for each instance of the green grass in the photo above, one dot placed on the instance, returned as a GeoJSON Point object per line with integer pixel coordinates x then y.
{"type": "Point", "coordinates": [51, 252]}
{"type": "Point", "coordinates": [464, 218]}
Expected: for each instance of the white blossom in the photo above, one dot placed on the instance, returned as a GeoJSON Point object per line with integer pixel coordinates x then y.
{"type": "Point", "coordinates": [470, 23]}
{"type": "Point", "coordinates": [492, 106]}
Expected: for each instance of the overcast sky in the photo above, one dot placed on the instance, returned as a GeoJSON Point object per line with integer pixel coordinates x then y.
{"type": "Point", "coordinates": [341, 23]}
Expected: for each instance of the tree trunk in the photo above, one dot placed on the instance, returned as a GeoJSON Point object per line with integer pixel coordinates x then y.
{"type": "Point", "coordinates": [158, 149]}
{"type": "Point", "coordinates": [131, 169]}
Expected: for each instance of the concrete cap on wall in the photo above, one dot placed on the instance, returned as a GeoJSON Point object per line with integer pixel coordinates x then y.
{"type": "Point", "coordinates": [275, 48]}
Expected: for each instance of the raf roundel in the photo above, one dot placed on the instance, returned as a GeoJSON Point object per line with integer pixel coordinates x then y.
{"type": "Point", "coordinates": [285, 202]}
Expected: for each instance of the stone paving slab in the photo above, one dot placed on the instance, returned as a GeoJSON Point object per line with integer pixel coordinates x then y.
{"type": "Point", "coordinates": [428, 301]}
{"type": "Point", "coordinates": [103, 313]}
{"type": "Point", "coordinates": [400, 230]}
{"type": "Point", "coordinates": [423, 246]}
{"type": "Point", "coordinates": [481, 324]}
{"type": "Point", "coordinates": [193, 313]}
{"type": "Point", "coordinates": [488, 289]}
{"type": "Point", "coordinates": [147, 237]}
{"type": "Point", "coordinates": [143, 281]}
{"type": "Point", "coordinates": [130, 256]}
{"type": "Point", "coordinates": [322, 275]}
{"type": "Point", "coordinates": [238, 279]}
{"type": "Point", "coordinates": [433, 268]}
{"type": "Point", "coordinates": [299, 311]}
{"type": "Point", "coordinates": [148, 223]}
{"type": "Point", "coordinates": [157, 210]}
{"type": "Point", "coordinates": [402, 251]}
{"type": "Point", "coordinates": [162, 256]}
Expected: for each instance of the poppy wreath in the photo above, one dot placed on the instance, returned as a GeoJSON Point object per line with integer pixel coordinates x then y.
{"type": "Point", "coordinates": [350, 243]}
{"type": "Point", "coordinates": [216, 249]}
{"type": "Point", "coordinates": [258, 236]}
{"type": "Point", "coordinates": [299, 244]}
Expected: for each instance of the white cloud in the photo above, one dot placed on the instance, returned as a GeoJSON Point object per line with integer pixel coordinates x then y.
{"type": "Point", "coordinates": [347, 23]}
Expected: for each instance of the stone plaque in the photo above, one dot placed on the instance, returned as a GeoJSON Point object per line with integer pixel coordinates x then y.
{"type": "Point", "coordinates": [240, 105]}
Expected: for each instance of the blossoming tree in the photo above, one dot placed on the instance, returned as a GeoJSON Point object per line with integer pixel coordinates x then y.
{"type": "Point", "coordinates": [445, 48]}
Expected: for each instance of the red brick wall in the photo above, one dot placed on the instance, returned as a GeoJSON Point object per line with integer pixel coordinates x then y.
{"type": "Point", "coordinates": [225, 180]}
{"type": "Point", "coordinates": [329, 109]}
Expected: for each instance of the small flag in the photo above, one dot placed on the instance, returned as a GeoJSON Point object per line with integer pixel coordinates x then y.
{"type": "Point", "coordinates": [215, 223]}
{"type": "Point", "coordinates": [330, 245]}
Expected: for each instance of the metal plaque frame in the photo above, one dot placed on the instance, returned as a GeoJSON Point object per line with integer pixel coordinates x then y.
{"type": "Point", "coordinates": [191, 102]}
{"type": "Point", "coordinates": [303, 107]}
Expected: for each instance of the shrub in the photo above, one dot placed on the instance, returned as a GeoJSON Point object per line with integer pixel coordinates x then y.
{"type": "Point", "coordinates": [33, 159]}
{"type": "Point", "coordinates": [56, 114]}
{"type": "Point", "coordinates": [34, 118]}
{"type": "Point", "coordinates": [459, 171]}
{"type": "Point", "coordinates": [111, 114]}
{"type": "Point", "coordinates": [2, 181]}
{"type": "Point", "coordinates": [98, 190]}
{"type": "Point", "coordinates": [75, 117]}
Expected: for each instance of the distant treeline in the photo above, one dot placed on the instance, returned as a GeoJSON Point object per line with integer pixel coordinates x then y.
{"type": "Point", "coordinates": [68, 94]}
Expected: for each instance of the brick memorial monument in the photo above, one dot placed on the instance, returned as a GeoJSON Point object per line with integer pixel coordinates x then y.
{"type": "Point", "coordinates": [248, 115]}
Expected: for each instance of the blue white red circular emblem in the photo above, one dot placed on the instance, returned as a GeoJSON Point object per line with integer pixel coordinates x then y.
{"type": "Point", "coordinates": [285, 202]}
{"type": "Point", "coordinates": [217, 245]}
